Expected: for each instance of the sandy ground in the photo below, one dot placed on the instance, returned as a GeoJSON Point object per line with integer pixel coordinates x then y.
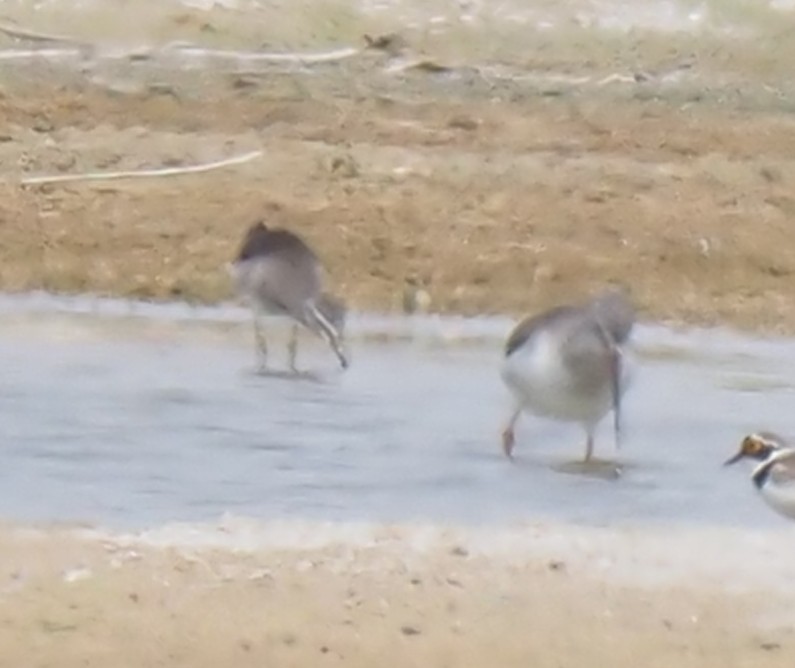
{"type": "Point", "coordinates": [499, 188]}
{"type": "Point", "coordinates": [81, 598]}
{"type": "Point", "coordinates": [71, 598]}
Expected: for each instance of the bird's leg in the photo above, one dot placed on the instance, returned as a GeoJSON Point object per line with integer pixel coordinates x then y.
{"type": "Point", "coordinates": [508, 436]}
{"type": "Point", "coordinates": [292, 348]}
{"type": "Point", "coordinates": [589, 446]}
{"type": "Point", "coordinates": [261, 343]}
{"type": "Point", "coordinates": [615, 372]}
{"type": "Point", "coordinates": [337, 347]}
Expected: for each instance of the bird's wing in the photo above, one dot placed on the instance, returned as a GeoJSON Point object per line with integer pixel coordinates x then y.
{"type": "Point", "coordinates": [530, 326]}
{"type": "Point", "coordinates": [783, 471]}
{"type": "Point", "coordinates": [778, 468]}
{"type": "Point", "coordinates": [277, 281]}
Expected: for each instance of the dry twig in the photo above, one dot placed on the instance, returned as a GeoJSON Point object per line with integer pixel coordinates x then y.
{"type": "Point", "coordinates": [144, 173]}
{"type": "Point", "coordinates": [257, 56]}
{"type": "Point", "coordinates": [33, 36]}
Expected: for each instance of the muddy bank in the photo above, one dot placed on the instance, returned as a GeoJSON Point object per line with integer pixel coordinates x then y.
{"type": "Point", "coordinates": [489, 207]}
{"type": "Point", "coordinates": [663, 161]}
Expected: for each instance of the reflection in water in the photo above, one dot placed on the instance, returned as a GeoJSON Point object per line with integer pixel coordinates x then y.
{"type": "Point", "coordinates": [595, 468]}
{"type": "Point", "coordinates": [139, 421]}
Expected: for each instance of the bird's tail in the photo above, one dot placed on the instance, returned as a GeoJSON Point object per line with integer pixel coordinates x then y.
{"type": "Point", "coordinates": [328, 331]}
{"type": "Point", "coordinates": [334, 311]}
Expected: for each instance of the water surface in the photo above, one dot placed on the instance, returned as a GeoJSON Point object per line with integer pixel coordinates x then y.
{"type": "Point", "coordinates": [130, 415]}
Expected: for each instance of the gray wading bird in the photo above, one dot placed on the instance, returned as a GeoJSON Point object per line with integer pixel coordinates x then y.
{"type": "Point", "coordinates": [279, 274]}
{"type": "Point", "coordinates": [568, 364]}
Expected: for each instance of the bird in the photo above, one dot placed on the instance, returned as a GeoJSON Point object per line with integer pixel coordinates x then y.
{"type": "Point", "coordinates": [277, 272]}
{"type": "Point", "coordinates": [774, 475]}
{"type": "Point", "coordinates": [568, 363]}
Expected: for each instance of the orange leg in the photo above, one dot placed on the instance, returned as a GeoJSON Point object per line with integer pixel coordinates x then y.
{"type": "Point", "coordinates": [292, 348]}
{"type": "Point", "coordinates": [261, 343]}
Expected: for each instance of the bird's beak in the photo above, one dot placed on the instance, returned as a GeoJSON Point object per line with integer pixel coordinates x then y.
{"type": "Point", "coordinates": [733, 460]}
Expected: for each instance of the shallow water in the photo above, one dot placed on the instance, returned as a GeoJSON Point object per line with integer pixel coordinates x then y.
{"type": "Point", "coordinates": [130, 415]}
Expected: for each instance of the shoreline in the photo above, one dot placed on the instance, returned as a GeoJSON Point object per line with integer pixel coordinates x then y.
{"type": "Point", "coordinates": [457, 327]}
{"type": "Point", "coordinates": [81, 597]}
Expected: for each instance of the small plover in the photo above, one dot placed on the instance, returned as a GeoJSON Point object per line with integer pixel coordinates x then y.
{"type": "Point", "coordinates": [774, 476]}
{"type": "Point", "coordinates": [568, 364]}
{"type": "Point", "coordinates": [278, 273]}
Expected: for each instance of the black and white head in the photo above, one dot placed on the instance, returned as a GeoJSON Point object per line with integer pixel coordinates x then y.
{"type": "Point", "coordinates": [774, 474]}
{"type": "Point", "coordinates": [758, 446]}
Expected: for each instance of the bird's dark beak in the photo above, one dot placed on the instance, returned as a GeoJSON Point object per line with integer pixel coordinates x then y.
{"type": "Point", "coordinates": [733, 460]}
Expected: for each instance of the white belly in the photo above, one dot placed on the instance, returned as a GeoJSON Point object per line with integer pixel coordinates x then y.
{"type": "Point", "coordinates": [543, 386]}
{"type": "Point", "coordinates": [780, 498]}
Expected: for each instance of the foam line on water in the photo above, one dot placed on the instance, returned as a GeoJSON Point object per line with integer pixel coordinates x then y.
{"type": "Point", "coordinates": [724, 557]}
